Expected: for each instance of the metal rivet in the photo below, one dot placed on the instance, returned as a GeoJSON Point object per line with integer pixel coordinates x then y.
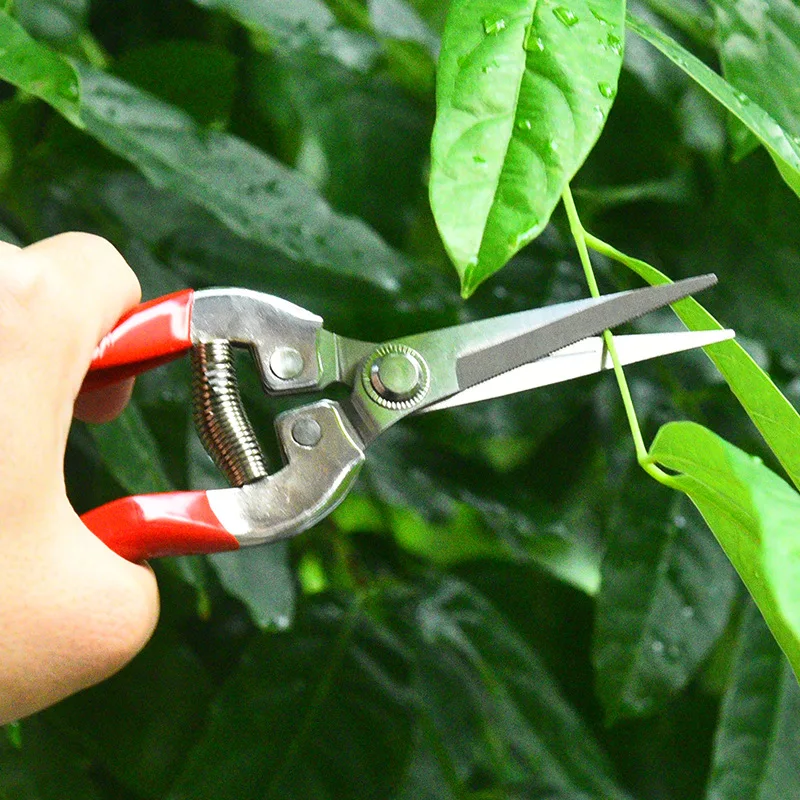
{"type": "Point", "coordinates": [286, 363]}
{"type": "Point", "coordinates": [306, 432]}
{"type": "Point", "coordinates": [396, 376]}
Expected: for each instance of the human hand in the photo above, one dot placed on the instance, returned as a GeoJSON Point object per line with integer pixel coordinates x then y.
{"type": "Point", "coordinates": [72, 612]}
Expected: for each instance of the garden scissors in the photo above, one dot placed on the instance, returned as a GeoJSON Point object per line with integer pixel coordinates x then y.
{"type": "Point", "coordinates": [323, 443]}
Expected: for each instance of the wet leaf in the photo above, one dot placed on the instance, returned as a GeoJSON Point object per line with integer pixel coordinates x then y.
{"type": "Point", "coordinates": [489, 705]}
{"type": "Point", "coordinates": [523, 91]}
{"type": "Point", "coordinates": [782, 145]}
{"type": "Point", "coordinates": [260, 577]}
{"type": "Point", "coordinates": [665, 599]}
{"type": "Point", "coordinates": [255, 195]}
{"type": "Point", "coordinates": [301, 24]}
{"type": "Point", "coordinates": [131, 453]}
{"type": "Point", "coordinates": [141, 724]}
{"type": "Point", "coordinates": [319, 712]}
{"type": "Point", "coordinates": [756, 43]}
{"type": "Point", "coordinates": [754, 514]}
{"type": "Point", "coordinates": [757, 742]}
{"type": "Point", "coordinates": [36, 70]}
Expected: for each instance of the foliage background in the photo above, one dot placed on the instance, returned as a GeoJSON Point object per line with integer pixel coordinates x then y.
{"type": "Point", "coordinates": [505, 607]}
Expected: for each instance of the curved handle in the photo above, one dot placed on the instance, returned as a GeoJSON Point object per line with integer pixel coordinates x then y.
{"type": "Point", "coordinates": [155, 525]}
{"type": "Point", "coordinates": [149, 335]}
{"type": "Point", "coordinates": [323, 456]}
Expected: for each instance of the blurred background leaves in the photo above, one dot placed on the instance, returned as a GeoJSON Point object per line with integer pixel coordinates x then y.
{"type": "Point", "coordinates": [499, 609]}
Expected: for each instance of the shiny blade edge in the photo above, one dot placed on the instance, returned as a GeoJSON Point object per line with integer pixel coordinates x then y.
{"type": "Point", "coordinates": [606, 312]}
{"type": "Point", "coordinates": [585, 357]}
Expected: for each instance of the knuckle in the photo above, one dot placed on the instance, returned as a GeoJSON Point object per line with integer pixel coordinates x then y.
{"type": "Point", "coordinates": [24, 286]}
{"type": "Point", "coordinates": [95, 258]}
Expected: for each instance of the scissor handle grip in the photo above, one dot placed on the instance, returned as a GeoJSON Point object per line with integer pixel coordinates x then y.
{"type": "Point", "coordinates": [323, 457]}
{"type": "Point", "coordinates": [155, 525]}
{"type": "Point", "coordinates": [149, 335]}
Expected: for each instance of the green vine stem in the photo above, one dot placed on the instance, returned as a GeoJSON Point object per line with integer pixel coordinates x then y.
{"type": "Point", "coordinates": [580, 237]}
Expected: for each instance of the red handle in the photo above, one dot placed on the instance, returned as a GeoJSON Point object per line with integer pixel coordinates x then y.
{"type": "Point", "coordinates": [147, 336]}
{"type": "Point", "coordinates": [154, 525]}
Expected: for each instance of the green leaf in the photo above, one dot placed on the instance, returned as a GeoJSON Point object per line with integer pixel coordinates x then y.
{"type": "Point", "coordinates": [131, 453]}
{"type": "Point", "coordinates": [301, 24]}
{"type": "Point", "coordinates": [425, 779]}
{"type": "Point", "coordinates": [398, 19]}
{"type": "Point", "coordinates": [754, 514]}
{"type": "Point", "coordinates": [757, 741]}
{"type": "Point", "coordinates": [759, 49]}
{"type": "Point", "coordinates": [523, 91]}
{"type": "Point", "coordinates": [488, 703]}
{"type": "Point", "coordinates": [38, 71]}
{"type": "Point", "coordinates": [197, 77]}
{"type": "Point", "coordinates": [319, 712]}
{"type": "Point", "coordinates": [141, 724]}
{"type": "Point", "coordinates": [369, 140]}
{"type": "Point", "coordinates": [665, 599]}
{"type": "Point", "coordinates": [451, 510]}
{"type": "Point", "coordinates": [782, 145]}
{"type": "Point", "coordinates": [261, 578]}
{"type": "Point", "coordinates": [774, 416]}
{"type": "Point", "coordinates": [253, 194]}
{"type": "Point", "coordinates": [47, 767]}
{"type": "Point", "coordinates": [56, 21]}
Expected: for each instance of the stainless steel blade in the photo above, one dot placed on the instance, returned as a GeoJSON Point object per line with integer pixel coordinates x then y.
{"type": "Point", "coordinates": [586, 357]}
{"type": "Point", "coordinates": [607, 312]}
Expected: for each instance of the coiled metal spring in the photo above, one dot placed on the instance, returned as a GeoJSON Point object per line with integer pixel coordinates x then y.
{"type": "Point", "coordinates": [219, 416]}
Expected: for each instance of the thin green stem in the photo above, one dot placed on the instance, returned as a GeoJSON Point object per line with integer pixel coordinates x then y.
{"type": "Point", "coordinates": [580, 237]}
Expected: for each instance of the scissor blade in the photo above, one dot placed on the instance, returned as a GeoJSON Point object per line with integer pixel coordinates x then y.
{"type": "Point", "coordinates": [581, 358]}
{"type": "Point", "coordinates": [606, 312]}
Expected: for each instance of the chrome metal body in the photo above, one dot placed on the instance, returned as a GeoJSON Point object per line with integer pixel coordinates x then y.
{"type": "Point", "coordinates": [323, 443]}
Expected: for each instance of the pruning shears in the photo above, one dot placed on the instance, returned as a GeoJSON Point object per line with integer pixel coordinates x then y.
{"type": "Point", "coordinates": [324, 442]}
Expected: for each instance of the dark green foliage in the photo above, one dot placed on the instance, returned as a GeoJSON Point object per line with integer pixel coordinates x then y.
{"type": "Point", "coordinates": [506, 607]}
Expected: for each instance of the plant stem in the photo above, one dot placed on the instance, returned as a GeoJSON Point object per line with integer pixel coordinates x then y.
{"type": "Point", "coordinates": [580, 237]}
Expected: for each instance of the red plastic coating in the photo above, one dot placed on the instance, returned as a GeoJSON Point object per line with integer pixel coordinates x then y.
{"type": "Point", "coordinates": [147, 336]}
{"type": "Point", "coordinates": [155, 525]}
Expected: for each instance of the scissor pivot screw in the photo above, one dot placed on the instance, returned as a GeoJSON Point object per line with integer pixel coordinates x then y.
{"type": "Point", "coordinates": [396, 377]}
{"type": "Point", "coordinates": [306, 432]}
{"type": "Point", "coordinates": [286, 363]}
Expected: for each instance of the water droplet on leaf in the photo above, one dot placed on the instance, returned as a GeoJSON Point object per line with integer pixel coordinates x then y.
{"type": "Point", "coordinates": [566, 16]}
{"type": "Point", "coordinates": [533, 43]}
{"type": "Point", "coordinates": [615, 43]}
{"type": "Point", "coordinates": [478, 159]}
{"type": "Point", "coordinates": [524, 124]}
{"type": "Point", "coordinates": [742, 98]}
{"type": "Point", "coordinates": [606, 89]}
{"type": "Point", "coordinates": [492, 25]}
{"type": "Point", "coordinates": [657, 646]}
{"type": "Point", "coordinates": [69, 92]}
